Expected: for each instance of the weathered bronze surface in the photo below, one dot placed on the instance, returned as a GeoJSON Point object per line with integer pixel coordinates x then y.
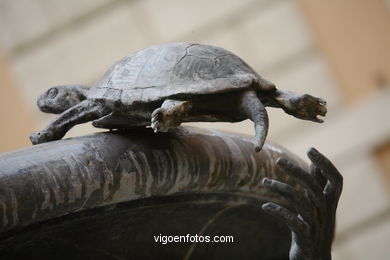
{"type": "Point", "coordinates": [49, 180]}
{"type": "Point", "coordinates": [165, 85]}
{"type": "Point", "coordinates": [106, 195]}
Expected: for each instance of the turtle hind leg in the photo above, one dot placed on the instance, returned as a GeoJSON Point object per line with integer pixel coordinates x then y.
{"type": "Point", "coordinates": [170, 114]}
{"type": "Point", "coordinates": [85, 111]}
{"type": "Point", "coordinates": [304, 106]}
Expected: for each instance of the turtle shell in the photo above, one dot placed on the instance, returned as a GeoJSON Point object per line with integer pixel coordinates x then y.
{"type": "Point", "coordinates": [175, 70]}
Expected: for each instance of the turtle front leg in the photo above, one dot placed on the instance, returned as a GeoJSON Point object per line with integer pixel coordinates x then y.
{"type": "Point", "coordinates": [83, 112]}
{"type": "Point", "coordinates": [304, 106]}
{"type": "Point", "coordinates": [170, 114]}
{"type": "Point", "coordinates": [253, 108]}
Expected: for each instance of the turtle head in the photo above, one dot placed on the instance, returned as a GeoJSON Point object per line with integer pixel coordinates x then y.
{"type": "Point", "coordinates": [58, 99]}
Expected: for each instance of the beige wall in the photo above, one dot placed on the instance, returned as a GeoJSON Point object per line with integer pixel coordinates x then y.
{"type": "Point", "coordinates": [382, 155]}
{"type": "Point", "coordinates": [334, 49]}
{"type": "Point", "coordinates": [355, 37]}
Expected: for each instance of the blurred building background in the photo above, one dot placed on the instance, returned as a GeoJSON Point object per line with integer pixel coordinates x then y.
{"type": "Point", "coordinates": [338, 50]}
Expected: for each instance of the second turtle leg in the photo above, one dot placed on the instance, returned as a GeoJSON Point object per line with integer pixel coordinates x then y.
{"type": "Point", "coordinates": [170, 114]}
{"type": "Point", "coordinates": [83, 112]}
{"type": "Point", "coordinates": [303, 106]}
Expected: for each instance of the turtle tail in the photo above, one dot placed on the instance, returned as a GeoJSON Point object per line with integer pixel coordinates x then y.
{"type": "Point", "coordinates": [252, 107]}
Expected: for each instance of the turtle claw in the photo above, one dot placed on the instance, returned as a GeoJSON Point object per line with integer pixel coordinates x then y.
{"type": "Point", "coordinates": [313, 107]}
{"type": "Point", "coordinates": [320, 111]}
{"type": "Point", "coordinates": [322, 101]}
{"type": "Point", "coordinates": [309, 108]}
{"type": "Point", "coordinates": [169, 115]}
{"type": "Point", "coordinates": [161, 120]}
{"type": "Point", "coordinates": [156, 126]}
{"type": "Point", "coordinates": [321, 107]}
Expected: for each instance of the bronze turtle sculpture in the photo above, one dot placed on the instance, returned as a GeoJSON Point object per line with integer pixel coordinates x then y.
{"type": "Point", "coordinates": [165, 85]}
